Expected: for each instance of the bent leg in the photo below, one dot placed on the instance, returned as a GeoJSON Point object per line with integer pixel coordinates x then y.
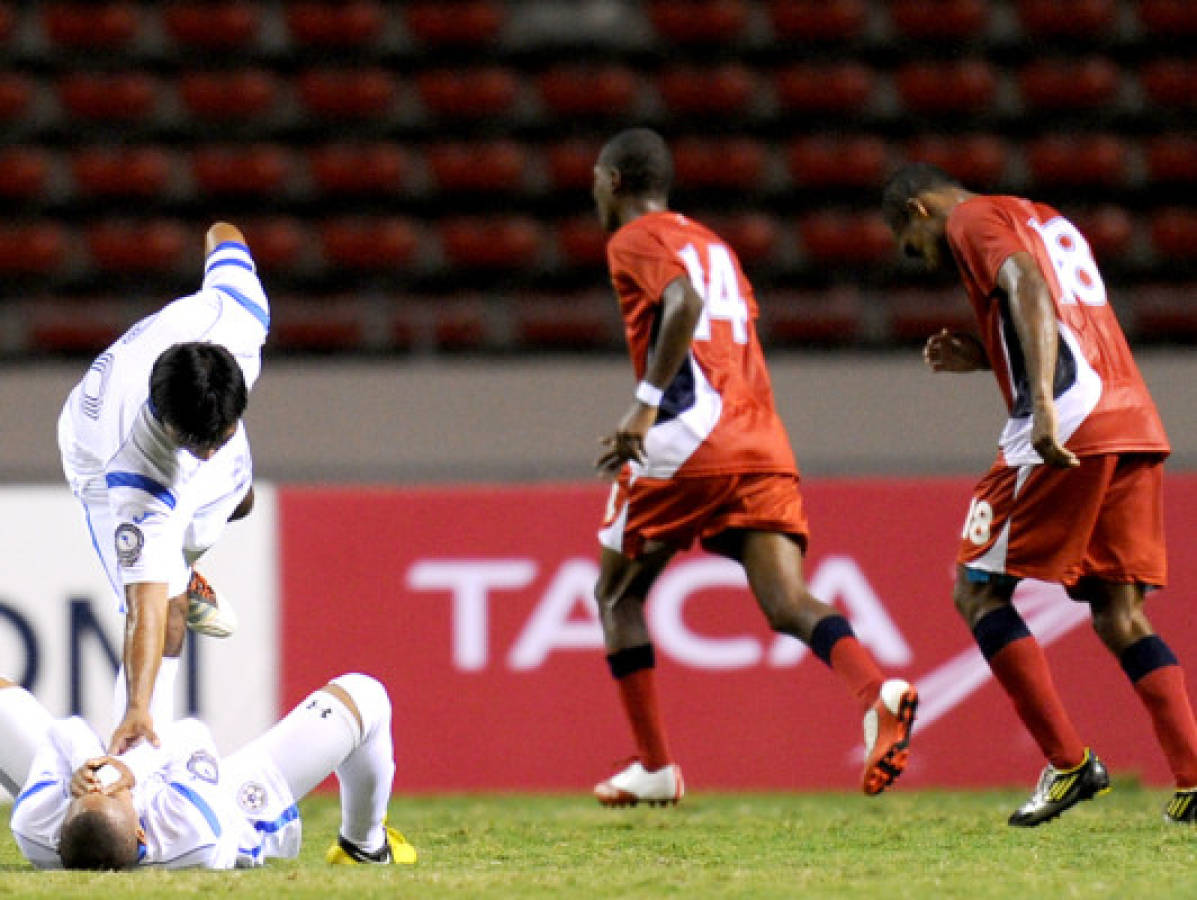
{"type": "Point", "coordinates": [24, 724]}
{"type": "Point", "coordinates": [774, 564]}
{"type": "Point", "coordinates": [1018, 663]}
{"type": "Point", "coordinates": [344, 727]}
{"type": "Point", "coordinates": [1150, 665]}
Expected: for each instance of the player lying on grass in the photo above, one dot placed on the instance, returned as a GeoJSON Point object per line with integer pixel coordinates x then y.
{"type": "Point", "coordinates": [180, 805]}
{"type": "Point", "coordinates": [153, 446]}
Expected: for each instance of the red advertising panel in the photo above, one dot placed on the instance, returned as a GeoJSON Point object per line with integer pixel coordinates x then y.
{"type": "Point", "coordinates": [474, 606]}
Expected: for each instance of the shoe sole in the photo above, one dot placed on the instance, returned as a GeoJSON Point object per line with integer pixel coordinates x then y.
{"type": "Point", "coordinates": [882, 773]}
{"type": "Point", "coordinates": [636, 801]}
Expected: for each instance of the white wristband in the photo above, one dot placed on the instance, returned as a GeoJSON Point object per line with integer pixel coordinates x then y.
{"type": "Point", "coordinates": [649, 394]}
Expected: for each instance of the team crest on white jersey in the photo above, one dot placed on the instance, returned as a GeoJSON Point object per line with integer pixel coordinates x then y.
{"type": "Point", "coordinates": [129, 541]}
{"type": "Point", "coordinates": [251, 797]}
{"type": "Point", "coordinates": [203, 766]}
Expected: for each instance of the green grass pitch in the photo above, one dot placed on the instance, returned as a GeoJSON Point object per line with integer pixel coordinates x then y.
{"type": "Point", "coordinates": [919, 844]}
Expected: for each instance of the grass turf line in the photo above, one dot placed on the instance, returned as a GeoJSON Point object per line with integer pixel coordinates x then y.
{"type": "Point", "coordinates": [918, 844]}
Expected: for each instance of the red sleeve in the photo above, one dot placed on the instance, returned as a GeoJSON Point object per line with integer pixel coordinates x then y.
{"type": "Point", "coordinates": [639, 256]}
{"type": "Point", "coordinates": [983, 234]}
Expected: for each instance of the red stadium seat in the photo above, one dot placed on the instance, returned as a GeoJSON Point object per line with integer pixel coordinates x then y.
{"type": "Point", "coordinates": [260, 170]}
{"type": "Point", "coordinates": [491, 243]}
{"type": "Point", "coordinates": [699, 21]}
{"type": "Point", "coordinates": [1174, 234]}
{"type": "Point", "coordinates": [77, 327]}
{"type": "Point", "coordinates": [1165, 313]}
{"type": "Point", "coordinates": [753, 236]}
{"type": "Point", "coordinates": [474, 166]}
{"type": "Point", "coordinates": [837, 88]}
{"type": "Point", "coordinates": [572, 90]}
{"type": "Point", "coordinates": [7, 21]}
{"type": "Point", "coordinates": [325, 325]}
{"type": "Point", "coordinates": [348, 93]}
{"type": "Point", "coordinates": [32, 249]}
{"type": "Point", "coordinates": [1078, 160]}
{"type": "Point", "coordinates": [725, 90]}
{"type": "Point", "coordinates": [376, 169]}
{"type": "Point", "coordinates": [238, 95]}
{"type": "Point", "coordinates": [967, 86]}
{"type": "Point", "coordinates": [581, 241]}
{"type": "Point", "coordinates": [95, 96]}
{"type": "Point", "coordinates": [570, 164]}
{"type": "Point", "coordinates": [916, 315]}
{"type": "Point", "coordinates": [24, 172]}
{"type": "Point", "coordinates": [1066, 84]}
{"type": "Point", "coordinates": [940, 19]}
{"type": "Point", "coordinates": [1171, 82]}
{"type": "Point", "coordinates": [1169, 18]}
{"type": "Point", "coordinates": [277, 243]}
{"type": "Point", "coordinates": [121, 171]}
{"type": "Point", "coordinates": [370, 245]}
{"type": "Point", "coordinates": [580, 322]}
{"type": "Point", "coordinates": [459, 324]}
{"type": "Point", "coordinates": [1172, 158]}
{"type": "Point", "coordinates": [91, 25]}
{"type": "Point", "coordinates": [978, 160]}
{"type": "Point", "coordinates": [212, 24]}
{"type": "Point", "coordinates": [819, 20]}
{"type": "Point", "coordinates": [737, 163]}
{"type": "Point", "coordinates": [1109, 230]}
{"type": "Point", "coordinates": [816, 162]}
{"type": "Point", "coordinates": [130, 247]}
{"type": "Point", "coordinates": [15, 93]}
{"type": "Point", "coordinates": [468, 93]}
{"type": "Point", "coordinates": [437, 22]}
{"type": "Point", "coordinates": [1067, 18]}
{"type": "Point", "coordinates": [824, 318]}
{"type": "Point", "coordinates": [346, 24]}
{"type": "Point", "coordinates": [839, 238]}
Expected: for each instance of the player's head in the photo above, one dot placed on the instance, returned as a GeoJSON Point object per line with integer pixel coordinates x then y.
{"type": "Point", "coordinates": [633, 166]}
{"type": "Point", "coordinates": [100, 832]}
{"type": "Point", "coordinates": [915, 203]}
{"type": "Point", "coordinates": [198, 394]}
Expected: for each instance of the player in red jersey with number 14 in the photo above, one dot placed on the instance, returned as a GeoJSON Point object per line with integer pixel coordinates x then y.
{"type": "Point", "coordinates": [702, 454]}
{"type": "Point", "coordinates": [1075, 494]}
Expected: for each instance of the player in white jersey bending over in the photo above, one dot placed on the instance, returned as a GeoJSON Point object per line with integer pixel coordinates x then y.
{"type": "Point", "coordinates": [180, 805]}
{"type": "Point", "coordinates": [153, 446]}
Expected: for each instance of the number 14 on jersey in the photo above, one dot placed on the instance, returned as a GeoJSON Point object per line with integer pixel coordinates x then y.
{"type": "Point", "coordinates": [719, 288]}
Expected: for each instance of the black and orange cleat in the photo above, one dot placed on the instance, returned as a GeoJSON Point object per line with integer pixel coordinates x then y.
{"type": "Point", "coordinates": [887, 727]}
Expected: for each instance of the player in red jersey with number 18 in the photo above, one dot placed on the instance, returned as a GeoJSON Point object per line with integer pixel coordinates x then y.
{"type": "Point", "coordinates": [1075, 494]}
{"type": "Point", "coordinates": [702, 454]}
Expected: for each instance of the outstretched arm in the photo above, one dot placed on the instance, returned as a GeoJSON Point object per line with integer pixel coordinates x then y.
{"type": "Point", "coordinates": [145, 640]}
{"type": "Point", "coordinates": [1035, 321]}
{"type": "Point", "coordinates": [681, 310]}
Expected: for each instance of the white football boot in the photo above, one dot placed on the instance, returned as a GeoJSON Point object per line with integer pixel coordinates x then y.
{"type": "Point", "coordinates": [207, 611]}
{"type": "Point", "coordinates": [635, 784]}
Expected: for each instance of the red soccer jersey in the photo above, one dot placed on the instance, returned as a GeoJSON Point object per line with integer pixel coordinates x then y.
{"type": "Point", "coordinates": [717, 415]}
{"type": "Point", "coordinates": [1102, 402]}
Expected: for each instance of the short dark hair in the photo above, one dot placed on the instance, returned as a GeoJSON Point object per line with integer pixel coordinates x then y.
{"type": "Point", "coordinates": [642, 159]}
{"type": "Point", "coordinates": [91, 839]}
{"type": "Point", "coordinates": [197, 388]}
{"type": "Point", "coordinates": [906, 184]}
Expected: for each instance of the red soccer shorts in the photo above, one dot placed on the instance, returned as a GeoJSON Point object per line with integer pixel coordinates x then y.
{"type": "Point", "coordinates": [676, 511]}
{"type": "Point", "coordinates": [1104, 518]}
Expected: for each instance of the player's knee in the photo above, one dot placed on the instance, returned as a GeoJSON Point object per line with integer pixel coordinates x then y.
{"type": "Point", "coordinates": [371, 699]}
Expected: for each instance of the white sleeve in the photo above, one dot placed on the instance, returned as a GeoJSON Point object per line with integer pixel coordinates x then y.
{"type": "Point", "coordinates": [148, 532]}
{"type": "Point", "coordinates": [38, 811]}
{"type": "Point", "coordinates": [231, 270]}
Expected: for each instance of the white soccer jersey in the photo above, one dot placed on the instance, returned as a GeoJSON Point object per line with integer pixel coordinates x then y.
{"type": "Point", "coordinates": [152, 507]}
{"type": "Point", "coordinates": [196, 810]}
